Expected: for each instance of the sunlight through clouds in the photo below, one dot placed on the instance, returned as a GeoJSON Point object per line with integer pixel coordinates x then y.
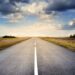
{"type": "Point", "coordinates": [37, 17]}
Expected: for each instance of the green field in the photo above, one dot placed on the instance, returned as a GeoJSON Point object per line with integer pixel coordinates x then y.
{"type": "Point", "coordinates": [6, 42]}
{"type": "Point", "coordinates": [65, 42]}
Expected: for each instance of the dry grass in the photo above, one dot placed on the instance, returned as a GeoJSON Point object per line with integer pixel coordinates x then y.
{"type": "Point", "coordinates": [65, 42]}
{"type": "Point", "coordinates": [6, 42]}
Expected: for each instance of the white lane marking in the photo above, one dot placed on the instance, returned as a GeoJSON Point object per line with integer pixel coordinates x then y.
{"type": "Point", "coordinates": [35, 60]}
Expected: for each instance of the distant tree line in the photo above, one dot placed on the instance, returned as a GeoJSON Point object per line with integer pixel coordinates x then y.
{"type": "Point", "coordinates": [6, 36]}
{"type": "Point", "coordinates": [72, 36]}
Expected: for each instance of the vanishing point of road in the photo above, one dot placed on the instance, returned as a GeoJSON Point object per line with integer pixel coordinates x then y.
{"type": "Point", "coordinates": [37, 57]}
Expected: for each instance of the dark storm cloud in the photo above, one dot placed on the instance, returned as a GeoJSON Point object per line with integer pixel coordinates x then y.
{"type": "Point", "coordinates": [60, 5]}
{"type": "Point", "coordinates": [10, 1]}
{"type": "Point", "coordinates": [9, 6]}
{"type": "Point", "coordinates": [23, 1]}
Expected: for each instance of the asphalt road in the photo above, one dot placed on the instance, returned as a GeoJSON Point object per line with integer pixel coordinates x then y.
{"type": "Point", "coordinates": [54, 60]}
{"type": "Point", "coordinates": [49, 59]}
{"type": "Point", "coordinates": [18, 59]}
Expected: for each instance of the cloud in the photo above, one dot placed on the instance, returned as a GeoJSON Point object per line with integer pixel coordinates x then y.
{"type": "Point", "coordinates": [34, 8]}
{"type": "Point", "coordinates": [48, 6]}
{"type": "Point", "coordinates": [12, 6]}
{"type": "Point", "coordinates": [22, 1]}
{"type": "Point", "coordinates": [10, 10]}
{"type": "Point", "coordinates": [70, 25]}
{"type": "Point", "coordinates": [13, 18]}
{"type": "Point", "coordinates": [9, 6]}
{"type": "Point", "coordinates": [45, 10]}
{"type": "Point", "coordinates": [60, 5]}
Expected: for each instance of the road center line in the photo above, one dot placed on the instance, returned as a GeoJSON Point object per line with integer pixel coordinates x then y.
{"type": "Point", "coordinates": [35, 60]}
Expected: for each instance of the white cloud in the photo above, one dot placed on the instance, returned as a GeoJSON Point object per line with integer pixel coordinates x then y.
{"type": "Point", "coordinates": [34, 8]}
{"type": "Point", "coordinates": [15, 17]}
{"type": "Point", "coordinates": [71, 23]}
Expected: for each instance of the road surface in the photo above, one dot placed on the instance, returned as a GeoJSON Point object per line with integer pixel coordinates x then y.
{"type": "Point", "coordinates": [18, 59]}
{"type": "Point", "coordinates": [54, 60]}
{"type": "Point", "coordinates": [49, 59]}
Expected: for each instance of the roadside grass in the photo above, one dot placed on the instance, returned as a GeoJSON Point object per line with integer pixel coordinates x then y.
{"type": "Point", "coordinates": [65, 42]}
{"type": "Point", "coordinates": [7, 42]}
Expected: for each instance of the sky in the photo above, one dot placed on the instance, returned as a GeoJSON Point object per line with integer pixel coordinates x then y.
{"type": "Point", "coordinates": [37, 17]}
